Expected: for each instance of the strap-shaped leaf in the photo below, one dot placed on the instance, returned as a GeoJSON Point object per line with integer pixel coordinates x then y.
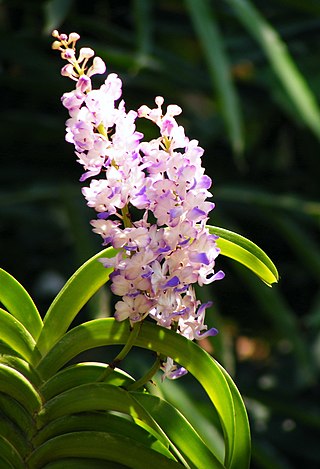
{"type": "Point", "coordinates": [10, 455]}
{"type": "Point", "coordinates": [83, 284]}
{"type": "Point", "coordinates": [12, 434]}
{"type": "Point", "coordinates": [23, 366]}
{"type": "Point", "coordinates": [240, 458]}
{"type": "Point", "coordinates": [93, 397]}
{"type": "Point", "coordinates": [179, 430]}
{"type": "Point", "coordinates": [243, 250]}
{"type": "Point", "coordinates": [14, 333]}
{"type": "Point", "coordinates": [18, 302]}
{"type": "Point", "coordinates": [82, 373]}
{"type": "Point", "coordinates": [17, 386]}
{"type": "Point", "coordinates": [83, 463]}
{"type": "Point", "coordinates": [100, 445]}
{"type": "Point", "coordinates": [108, 331]}
{"type": "Point", "coordinates": [16, 413]}
{"type": "Point", "coordinates": [101, 422]}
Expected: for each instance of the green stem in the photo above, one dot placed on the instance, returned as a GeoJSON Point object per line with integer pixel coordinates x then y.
{"type": "Point", "coordinates": [147, 377]}
{"type": "Point", "coordinates": [126, 217]}
{"type": "Point", "coordinates": [124, 351]}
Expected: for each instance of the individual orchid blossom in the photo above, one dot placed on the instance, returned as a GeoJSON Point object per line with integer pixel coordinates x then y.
{"type": "Point", "coordinates": [164, 254]}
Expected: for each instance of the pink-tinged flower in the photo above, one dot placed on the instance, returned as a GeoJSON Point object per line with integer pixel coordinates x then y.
{"type": "Point", "coordinates": [73, 101]}
{"type": "Point", "coordinates": [171, 370]}
{"type": "Point", "coordinates": [84, 84]}
{"type": "Point", "coordinates": [133, 307]}
{"type": "Point", "coordinates": [138, 264]}
{"type": "Point", "coordinates": [194, 328]}
{"type": "Point", "coordinates": [107, 229]}
{"type": "Point", "coordinates": [98, 67]}
{"type": "Point", "coordinates": [132, 239]}
{"type": "Point", "coordinates": [103, 197]}
{"type": "Point", "coordinates": [122, 286]}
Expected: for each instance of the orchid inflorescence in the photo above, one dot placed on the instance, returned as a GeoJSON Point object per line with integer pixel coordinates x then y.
{"type": "Point", "coordinates": [163, 254]}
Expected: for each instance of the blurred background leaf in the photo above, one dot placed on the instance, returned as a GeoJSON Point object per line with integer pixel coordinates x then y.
{"type": "Point", "coordinates": [247, 76]}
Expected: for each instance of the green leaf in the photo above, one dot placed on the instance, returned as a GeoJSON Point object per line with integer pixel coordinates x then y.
{"type": "Point", "coordinates": [101, 445]}
{"type": "Point", "coordinates": [205, 424]}
{"type": "Point", "coordinates": [22, 366]}
{"type": "Point", "coordinates": [12, 434]}
{"type": "Point", "coordinates": [108, 331]}
{"type": "Point", "coordinates": [240, 249]}
{"type": "Point", "coordinates": [93, 397]}
{"type": "Point", "coordinates": [101, 422]}
{"type": "Point", "coordinates": [84, 463]}
{"type": "Point", "coordinates": [202, 15]}
{"type": "Point", "coordinates": [74, 295]}
{"type": "Point", "coordinates": [82, 373]}
{"type": "Point", "coordinates": [18, 302]}
{"type": "Point", "coordinates": [10, 454]}
{"type": "Point", "coordinates": [240, 458]}
{"type": "Point", "coordinates": [16, 336]}
{"type": "Point", "coordinates": [16, 413]}
{"type": "Point", "coordinates": [15, 385]}
{"type": "Point", "coordinates": [180, 431]}
{"type": "Point", "coordinates": [275, 49]}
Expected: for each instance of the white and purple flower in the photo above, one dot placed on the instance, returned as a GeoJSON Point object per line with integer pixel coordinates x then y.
{"type": "Point", "coordinates": [164, 254]}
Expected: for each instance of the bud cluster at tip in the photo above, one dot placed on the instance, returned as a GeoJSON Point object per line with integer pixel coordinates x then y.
{"type": "Point", "coordinates": [76, 67]}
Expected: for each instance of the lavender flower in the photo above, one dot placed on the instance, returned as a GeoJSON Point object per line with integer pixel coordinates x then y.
{"type": "Point", "coordinates": [161, 256]}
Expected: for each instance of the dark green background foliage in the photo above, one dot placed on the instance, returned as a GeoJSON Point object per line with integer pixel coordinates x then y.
{"type": "Point", "coordinates": [248, 80]}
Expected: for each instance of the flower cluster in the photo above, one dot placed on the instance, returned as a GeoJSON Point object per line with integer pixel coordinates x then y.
{"type": "Point", "coordinates": [162, 255]}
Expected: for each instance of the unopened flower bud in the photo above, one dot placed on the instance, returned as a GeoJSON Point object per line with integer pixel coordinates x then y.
{"type": "Point", "coordinates": [56, 45]}
{"type": "Point", "coordinates": [85, 53]}
{"type": "Point", "coordinates": [159, 100]}
{"type": "Point", "coordinates": [73, 37]}
{"type": "Point", "coordinates": [98, 66]}
{"type": "Point", "coordinates": [174, 110]}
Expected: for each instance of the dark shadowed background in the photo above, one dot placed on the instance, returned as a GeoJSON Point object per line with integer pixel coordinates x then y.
{"type": "Point", "coordinates": [247, 75]}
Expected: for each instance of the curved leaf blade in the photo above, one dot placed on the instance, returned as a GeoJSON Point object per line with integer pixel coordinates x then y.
{"type": "Point", "coordinates": [74, 295]}
{"type": "Point", "coordinates": [14, 333]}
{"type": "Point", "coordinates": [99, 445]}
{"type": "Point", "coordinates": [22, 366]}
{"type": "Point", "coordinates": [179, 430]}
{"type": "Point", "coordinates": [240, 459]}
{"type": "Point", "coordinates": [16, 413]}
{"type": "Point", "coordinates": [83, 463]}
{"type": "Point", "coordinates": [19, 303]}
{"type": "Point", "coordinates": [82, 373]}
{"type": "Point", "coordinates": [108, 331]}
{"type": "Point", "coordinates": [15, 385]}
{"type": "Point", "coordinates": [93, 397]}
{"type": "Point", "coordinates": [101, 422]}
{"type": "Point", "coordinates": [10, 454]}
{"type": "Point", "coordinates": [243, 250]}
